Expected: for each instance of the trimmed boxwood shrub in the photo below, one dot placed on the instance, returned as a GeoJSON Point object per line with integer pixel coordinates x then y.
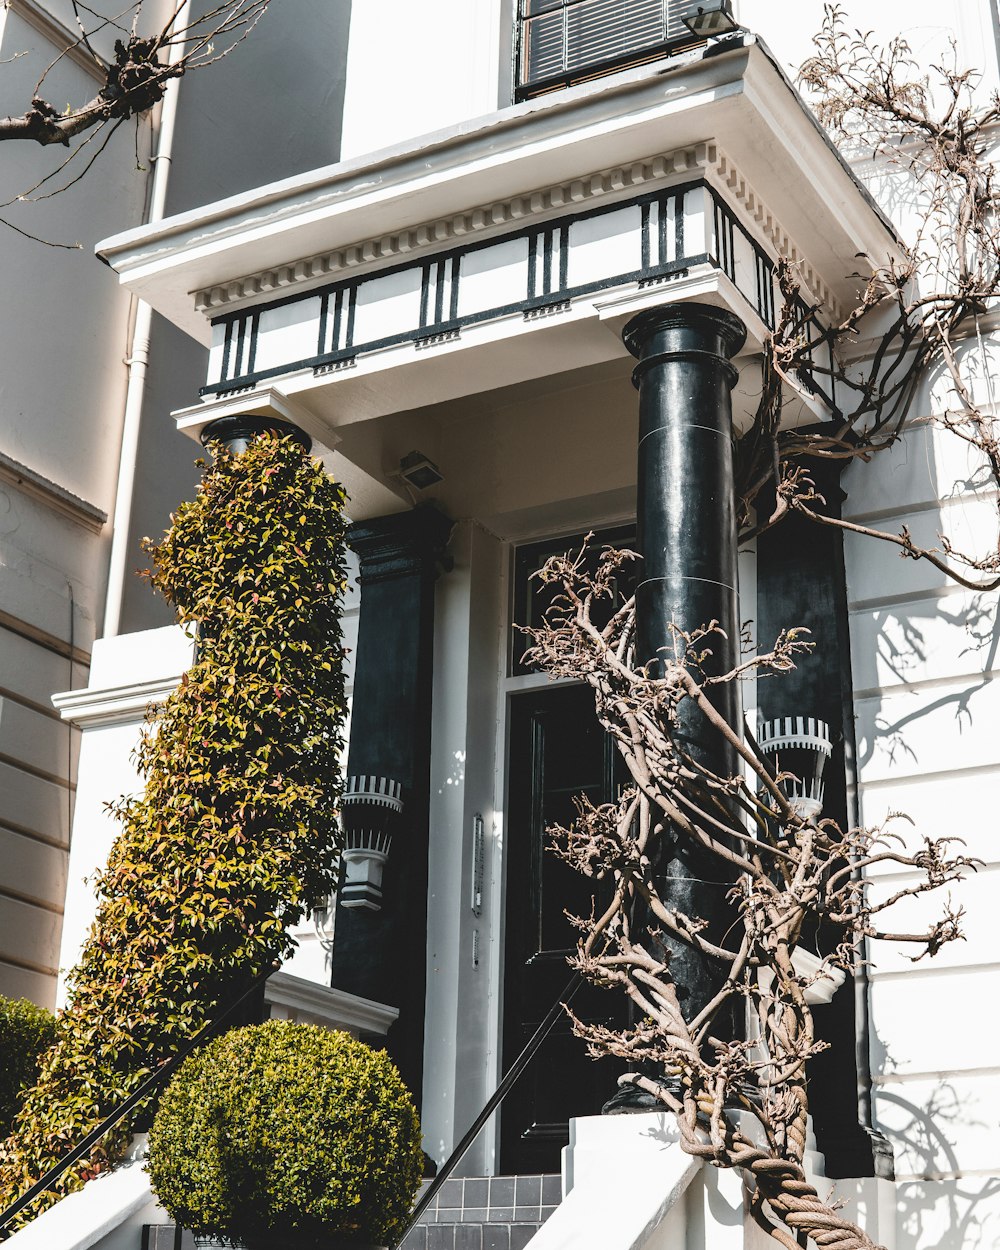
{"type": "Point", "coordinates": [26, 1030]}
{"type": "Point", "coordinates": [287, 1135]}
{"type": "Point", "coordinates": [236, 833]}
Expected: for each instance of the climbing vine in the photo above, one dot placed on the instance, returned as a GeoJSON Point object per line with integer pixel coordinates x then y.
{"type": "Point", "coordinates": [236, 832]}
{"type": "Point", "coordinates": [920, 318]}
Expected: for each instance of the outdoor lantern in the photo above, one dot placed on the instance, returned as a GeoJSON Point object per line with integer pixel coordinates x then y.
{"type": "Point", "coordinates": [370, 812]}
{"type": "Point", "coordinates": [800, 746]}
{"type": "Point", "coordinates": [420, 471]}
{"type": "Point", "coordinates": [712, 20]}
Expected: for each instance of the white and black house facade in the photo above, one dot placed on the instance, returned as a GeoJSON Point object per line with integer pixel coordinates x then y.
{"type": "Point", "coordinates": [526, 325]}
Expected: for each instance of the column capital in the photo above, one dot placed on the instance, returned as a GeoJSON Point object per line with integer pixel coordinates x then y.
{"type": "Point", "coordinates": [684, 331]}
{"type": "Point", "coordinates": [237, 431]}
{"type": "Point", "coordinates": [401, 544]}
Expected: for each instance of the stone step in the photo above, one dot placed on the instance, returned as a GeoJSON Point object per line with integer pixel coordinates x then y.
{"type": "Point", "coordinates": [470, 1213]}
{"type": "Point", "coordinates": [469, 1236]}
{"type": "Point", "coordinates": [486, 1213]}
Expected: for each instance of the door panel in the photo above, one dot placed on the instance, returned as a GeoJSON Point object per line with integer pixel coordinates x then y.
{"type": "Point", "coordinates": [558, 750]}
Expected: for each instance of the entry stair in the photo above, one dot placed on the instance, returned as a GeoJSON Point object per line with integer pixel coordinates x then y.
{"type": "Point", "coordinates": [470, 1213]}
{"type": "Point", "coordinates": [485, 1213]}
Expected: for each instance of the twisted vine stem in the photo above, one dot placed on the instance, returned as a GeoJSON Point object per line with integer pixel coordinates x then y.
{"type": "Point", "coordinates": [740, 1102]}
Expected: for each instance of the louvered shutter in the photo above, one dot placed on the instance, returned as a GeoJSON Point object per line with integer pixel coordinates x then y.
{"type": "Point", "coordinates": [563, 39]}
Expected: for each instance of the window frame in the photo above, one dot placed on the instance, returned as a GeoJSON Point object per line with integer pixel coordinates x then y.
{"type": "Point", "coordinates": [592, 69]}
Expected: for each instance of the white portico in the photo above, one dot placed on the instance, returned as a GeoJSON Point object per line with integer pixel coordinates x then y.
{"type": "Point", "coordinates": [464, 296]}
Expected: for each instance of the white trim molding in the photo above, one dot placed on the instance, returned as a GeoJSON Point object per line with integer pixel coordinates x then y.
{"type": "Point", "coordinates": [116, 705]}
{"type": "Point", "coordinates": [437, 187]}
{"type": "Point", "coordinates": [51, 494]}
{"type": "Point", "coordinates": [311, 1003]}
{"type": "Point", "coordinates": [491, 219]}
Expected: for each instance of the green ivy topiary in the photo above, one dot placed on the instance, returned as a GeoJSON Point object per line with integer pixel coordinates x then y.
{"type": "Point", "coordinates": [26, 1030]}
{"type": "Point", "coordinates": [236, 832]}
{"type": "Point", "coordinates": [287, 1134]}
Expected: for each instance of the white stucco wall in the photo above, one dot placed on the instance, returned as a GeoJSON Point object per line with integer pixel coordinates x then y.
{"type": "Point", "coordinates": [924, 655]}
{"type": "Point", "coordinates": [927, 26]}
{"type": "Point", "coordinates": [62, 380]}
{"type": "Point", "coordinates": [417, 68]}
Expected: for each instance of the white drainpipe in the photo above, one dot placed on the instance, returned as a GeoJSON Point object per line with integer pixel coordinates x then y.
{"type": "Point", "coordinates": [138, 358]}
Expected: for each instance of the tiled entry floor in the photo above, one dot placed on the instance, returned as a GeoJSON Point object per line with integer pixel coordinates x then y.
{"type": "Point", "coordinates": [486, 1213]}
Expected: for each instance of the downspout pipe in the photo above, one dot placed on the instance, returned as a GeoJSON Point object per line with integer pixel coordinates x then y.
{"type": "Point", "coordinates": [138, 359]}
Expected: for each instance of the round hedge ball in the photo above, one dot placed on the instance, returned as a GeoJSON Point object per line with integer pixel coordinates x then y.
{"type": "Point", "coordinates": [287, 1135]}
{"type": "Point", "coordinates": [26, 1032]}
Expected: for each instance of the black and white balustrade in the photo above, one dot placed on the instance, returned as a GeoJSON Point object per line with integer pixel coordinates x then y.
{"type": "Point", "coordinates": [371, 808]}
{"type": "Point", "coordinates": [798, 747]}
{"type": "Point", "coordinates": [537, 271]}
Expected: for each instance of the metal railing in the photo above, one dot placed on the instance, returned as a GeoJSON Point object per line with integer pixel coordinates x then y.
{"type": "Point", "coordinates": [507, 1083]}
{"type": "Point", "coordinates": [149, 1085]}
{"type": "Point", "coordinates": [167, 1069]}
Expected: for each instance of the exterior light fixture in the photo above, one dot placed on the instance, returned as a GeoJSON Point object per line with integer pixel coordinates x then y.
{"type": "Point", "coordinates": [798, 746]}
{"type": "Point", "coordinates": [370, 812]}
{"type": "Point", "coordinates": [419, 471]}
{"type": "Point", "coordinates": [712, 20]}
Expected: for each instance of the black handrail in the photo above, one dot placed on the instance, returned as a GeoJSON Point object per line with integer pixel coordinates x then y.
{"type": "Point", "coordinates": [156, 1078]}
{"type": "Point", "coordinates": [496, 1098]}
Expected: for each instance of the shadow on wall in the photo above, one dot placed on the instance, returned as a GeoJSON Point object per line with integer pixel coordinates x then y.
{"type": "Point", "coordinates": [954, 1213]}
{"type": "Point", "coordinates": [913, 625]}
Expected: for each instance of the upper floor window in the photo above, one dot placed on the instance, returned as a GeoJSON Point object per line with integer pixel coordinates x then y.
{"type": "Point", "coordinates": [565, 41]}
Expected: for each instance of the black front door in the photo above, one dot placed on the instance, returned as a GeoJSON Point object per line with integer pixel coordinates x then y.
{"type": "Point", "coordinates": [557, 751]}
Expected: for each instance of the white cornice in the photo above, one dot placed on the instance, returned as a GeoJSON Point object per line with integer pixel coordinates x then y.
{"type": "Point", "coordinates": [738, 188]}
{"type": "Point", "coordinates": [491, 219]}
{"type": "Point", "coordinates": [116, 705]}
{"type": "Point", "coordinates": [335, 1008]}
{"type": "Point", "coordinates": [737, 99]}
{"type": "Point", "coordinates": [481, 221]}
{"type": "Point", "coordinates": [54, 496]}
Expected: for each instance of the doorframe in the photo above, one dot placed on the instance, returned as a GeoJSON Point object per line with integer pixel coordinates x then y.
{"type": "Point", "coordinates": [509, 685]}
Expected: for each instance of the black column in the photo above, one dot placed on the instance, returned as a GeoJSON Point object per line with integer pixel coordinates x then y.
{"type": "Point", "coordinates": [382, 954]}
{"type": "Point", "coordinates": [687, 538]}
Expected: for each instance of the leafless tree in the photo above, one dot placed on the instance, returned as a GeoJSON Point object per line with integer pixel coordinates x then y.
{"type": "Point", "coordinates": [739, 1103]}
{"type": "Point", "coordinates": [147, 56]}
{"type": "Point", "coordinates": [924, 308]}
{"type": "Point", "coordinates": [142, 67]}
{"type": "Point", "coordinates": [743, 1103]}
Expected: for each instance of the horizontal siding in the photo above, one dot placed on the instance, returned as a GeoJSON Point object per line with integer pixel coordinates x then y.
{"type": "Point", "coordinates": [18, 982]}
{"type": "Point", "coordinates": [43, 745]}
{"type": "Point", "coordinates": [32, 804]}
{"type": "Point", "coordinates": [910, 733]}
{"type": "Point", "coordinates": [29, 935]}
{"type": "Point", "coordinates": [977, 892]}
{"type": "Point", "coordinates": [941, 1125]}
{"type": "Point", "coordinates": [32, 870]}
{"type": "Point", "coordinates": [933, 638]}
{"type": "Point", "coordinates": [38, 760]}
{"type": "Point", "coordinates": [35, 672]}
{"type": "Point", "coordinates": [924, 659]}
{"type": "Point", "coordinates": [931, 810]}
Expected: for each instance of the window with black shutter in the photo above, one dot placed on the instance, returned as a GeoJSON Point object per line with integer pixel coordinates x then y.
{"type": "Point", "coordinates": [565, 41]}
